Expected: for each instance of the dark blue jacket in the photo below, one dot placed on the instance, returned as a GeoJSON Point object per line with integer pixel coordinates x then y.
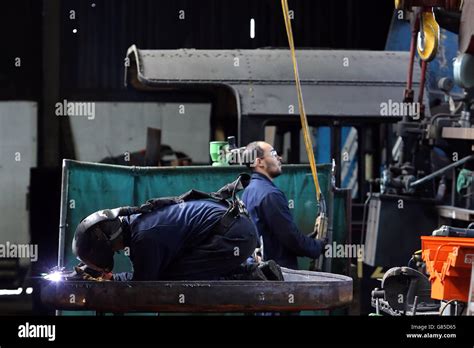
{"type": "Point", "coordinates": [157, 238]}
{"type": "Point", "coordinates": [282, 241]}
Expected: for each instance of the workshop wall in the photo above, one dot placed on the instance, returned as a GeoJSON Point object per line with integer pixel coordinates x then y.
{"type": "Point", "coordinates": [119, 128]}
{"type": "Point", "coordinates": [17, 156]}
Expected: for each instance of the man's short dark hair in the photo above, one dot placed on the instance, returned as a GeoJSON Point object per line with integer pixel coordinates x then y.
{"type": "Point", "coordinates": [251, 153]}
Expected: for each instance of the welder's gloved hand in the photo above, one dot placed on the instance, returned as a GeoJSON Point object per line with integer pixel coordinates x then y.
{"type": "Point", "coordinates": [108, 276]}
{"type": "Point", "coordinates": [248, 271]}
{"type": "Point", "coordinates": [86, 273]}
{"type": "Point", "coordinates": [271, 270]}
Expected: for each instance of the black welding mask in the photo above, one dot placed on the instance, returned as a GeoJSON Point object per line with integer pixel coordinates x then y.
{"type": "Point", "coordinates": [92, 243]}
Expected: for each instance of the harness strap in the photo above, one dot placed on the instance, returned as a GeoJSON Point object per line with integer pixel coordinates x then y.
{"type": "Point", "coordinates": [226, 196]}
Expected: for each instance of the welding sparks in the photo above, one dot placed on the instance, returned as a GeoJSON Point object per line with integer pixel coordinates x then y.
{"type": "Point", "coordinates": [54, 277]}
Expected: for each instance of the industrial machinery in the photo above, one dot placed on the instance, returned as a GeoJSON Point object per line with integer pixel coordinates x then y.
{"type": "Point", "coordinates": [429, 182]}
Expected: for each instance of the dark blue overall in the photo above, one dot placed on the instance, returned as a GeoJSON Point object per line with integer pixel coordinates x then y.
{"type": "Point", "coordinates": [268, 208]}
{"type": "Point", "coordinates": [182, 241]}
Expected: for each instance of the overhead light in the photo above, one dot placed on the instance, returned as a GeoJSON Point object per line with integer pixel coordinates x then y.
{"type": "Point", "coordinates": [252, 28]}
{"type": "Point", "coordinates": [9, 292]}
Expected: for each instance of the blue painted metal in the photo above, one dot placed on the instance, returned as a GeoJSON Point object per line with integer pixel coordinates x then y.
{"type": "Point", "coordinates": [399, 35]}
{"type": "Point", "coordinates": [323, 144]}
{"type": "Point", "coordinates": [398, 39]}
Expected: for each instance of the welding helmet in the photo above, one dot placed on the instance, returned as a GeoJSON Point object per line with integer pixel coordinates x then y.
{"type": "Point", "coordinates": [92, 243]}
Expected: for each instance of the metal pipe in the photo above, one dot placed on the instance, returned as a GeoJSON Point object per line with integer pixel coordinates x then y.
{"type": "Point", "coordinates": [349, 225]}
{"type": "Point", "coordinates": [414, 37]}
{"type": "Point", "coordinates": [63, 218]}
{"type": "Point", "coordinates": [415, 303]}
{"type": "Point", "coordinates": [236, 94]}
{"type": "Point", "coordinates": [63, 212]}
{"type": "Point", "coordinates": [424, 65]}
{"type": "Point", "coordinates": [327, 262]}
{"type": "Point", "coordinates": [441, 171]}
{"type": "Point", "coordinates": [412, 57]}
{"type": "Point", "coordinates": [453, 188]}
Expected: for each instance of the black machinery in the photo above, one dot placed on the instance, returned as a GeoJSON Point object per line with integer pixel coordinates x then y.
{"type": "Point", "coordinates": [430, 181]}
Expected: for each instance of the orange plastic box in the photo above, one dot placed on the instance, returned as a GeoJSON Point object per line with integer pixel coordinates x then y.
{"type": "Point", "coordinates": [448, 261]}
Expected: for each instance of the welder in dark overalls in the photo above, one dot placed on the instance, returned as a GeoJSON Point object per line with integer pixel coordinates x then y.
{"type": "Point", "coordinates": [196, 236]}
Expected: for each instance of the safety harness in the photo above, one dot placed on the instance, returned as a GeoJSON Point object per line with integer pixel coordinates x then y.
{"type": "Point", "coordinates": [226, 196]}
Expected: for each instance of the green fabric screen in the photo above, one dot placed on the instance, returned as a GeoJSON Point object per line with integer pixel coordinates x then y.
{"type": "Point", "coordinates": [91, 187]}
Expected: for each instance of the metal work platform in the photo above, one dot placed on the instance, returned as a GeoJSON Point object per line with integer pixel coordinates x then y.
{"type": "Point", "coordinates": [301, 290]}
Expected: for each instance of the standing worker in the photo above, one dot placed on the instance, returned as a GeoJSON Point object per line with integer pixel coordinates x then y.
{"type": "Point", "coordinates": [268, 208]}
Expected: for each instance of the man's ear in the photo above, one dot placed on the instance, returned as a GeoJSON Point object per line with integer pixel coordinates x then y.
{"type": "Point", "coordinates": [258, 162]}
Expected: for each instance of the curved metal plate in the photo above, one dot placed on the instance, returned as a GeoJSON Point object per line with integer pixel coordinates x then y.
{"type": "Point", "coordinates": [301, 290]}
{"type": "Point", "coordinates": [340, 83]}
{"type": "Point", "coordinates": [268, 66]}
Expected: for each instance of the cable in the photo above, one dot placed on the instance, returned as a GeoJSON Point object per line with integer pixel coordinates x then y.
{"type": "Point", "coordinates": [446, 305]}
{"type": "Point", "coordinates": [303, 118]}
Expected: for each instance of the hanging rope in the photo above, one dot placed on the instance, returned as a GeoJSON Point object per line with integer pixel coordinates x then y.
{"type": "Point", "coordinates": [304, 121]}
